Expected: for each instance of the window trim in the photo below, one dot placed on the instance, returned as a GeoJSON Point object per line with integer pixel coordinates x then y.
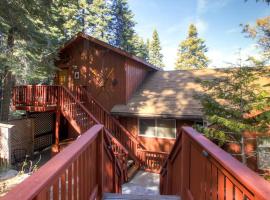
{"type": "Point", "coordinates": [148, 136]}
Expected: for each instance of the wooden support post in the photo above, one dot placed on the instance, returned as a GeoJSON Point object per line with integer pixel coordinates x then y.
{"type": "Point", "coordinates": [100, 164]}
{"type": "Point", "coordinates": [56, 147]}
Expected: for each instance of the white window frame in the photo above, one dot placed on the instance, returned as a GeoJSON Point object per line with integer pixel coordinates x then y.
{"type": "Point", "coordinates": [155, 136]}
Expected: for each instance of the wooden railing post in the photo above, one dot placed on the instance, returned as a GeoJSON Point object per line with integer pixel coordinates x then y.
{"type": "Point", "coordinates": [185, 165]}
{"type": "Point", "coordinates": [100, 163]}
{"type": "Point", "coordinates": [56, 147]}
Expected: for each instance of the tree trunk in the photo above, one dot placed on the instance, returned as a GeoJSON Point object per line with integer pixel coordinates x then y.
{"type": "Point", "coordinates": [243, 153]}
{"type": "Point", "coordinates": [7, 94]}
{"type": "Point", "coordinates": [8, 81]}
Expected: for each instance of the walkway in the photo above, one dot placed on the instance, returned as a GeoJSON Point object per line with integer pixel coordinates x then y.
{"type": "Point", "coordinates": [143, 183]}
{"type": "Point", "coordinates": [143, 186]}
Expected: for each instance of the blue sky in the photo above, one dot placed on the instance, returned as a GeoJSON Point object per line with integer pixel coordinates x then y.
{"type": "Point", "coordinates": [217, 22]}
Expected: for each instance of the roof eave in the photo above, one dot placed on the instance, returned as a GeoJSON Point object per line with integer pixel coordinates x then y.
{"type": "Point", "coordinates": [108, 46]}
{"type": "Point", "coordinates": [183, 116]}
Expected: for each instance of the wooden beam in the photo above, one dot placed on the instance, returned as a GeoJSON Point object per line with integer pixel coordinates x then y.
{"type": "Point", "coordinates": [57, 129]}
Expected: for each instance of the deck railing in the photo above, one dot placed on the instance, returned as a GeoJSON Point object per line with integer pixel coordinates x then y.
{"type": "Point", "coordinates": [83, 111]}
{"type": "Point", "coordinates": [129, 141]}
{"type": "Point", "coordinates": [152, 161]}
{"type": "Point", "coordinates": [198, 169]}
{"type": "Point", "coordinates": [35, 95]}
{"type": "Point", "coordinates": [82, 119]}
{"type": "Point", "coordinates": [83, 170]}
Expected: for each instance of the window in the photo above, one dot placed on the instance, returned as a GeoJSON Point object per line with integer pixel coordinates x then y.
{"type": "Point", "coordinates": [163, 128]}
{"type": "Point", "coordinates": [147, 127]}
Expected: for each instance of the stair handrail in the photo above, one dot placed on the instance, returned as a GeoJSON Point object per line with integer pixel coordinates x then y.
{"type": "Point", "coordinates": [132, 137]}
{"type": "Point", "coordinates": [107, 132]}
{"type": "Point", "coordinates": [93, 117]}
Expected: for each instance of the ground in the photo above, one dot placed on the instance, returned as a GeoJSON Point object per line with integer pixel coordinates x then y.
{"type": "Point", "coordinates": [143, 183]}
{"type": "Point", "coordinates": [11, 177]}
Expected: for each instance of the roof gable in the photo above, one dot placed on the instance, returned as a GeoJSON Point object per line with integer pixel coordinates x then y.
{"type": "Point", "coordinates": [81, 35]}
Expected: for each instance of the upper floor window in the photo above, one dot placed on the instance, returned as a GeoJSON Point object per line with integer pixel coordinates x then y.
{"type": "Point", "coordinates": [162, 128]}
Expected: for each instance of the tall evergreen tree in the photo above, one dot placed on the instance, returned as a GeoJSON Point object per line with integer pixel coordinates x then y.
{"type": "Point", "coordinates": [139, 47]}
{"type": "Point", "coordinates": [30, 33]}
{"type": "Point", "coordinates": [191, 52]}
{"type": "Point", "coordinates": [155, 55]}
{"type": "Point", "coordinates": [99, 20]}
{"type": "Point", "coordinates": [227, 101]}
{"type": "Point", "coordinates": [261, 33]}
{"type": "Point", "coordinates": [122, 25]}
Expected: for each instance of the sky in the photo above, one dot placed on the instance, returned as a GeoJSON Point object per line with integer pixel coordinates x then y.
{"type": "Point", "coordinates": [218, 23]}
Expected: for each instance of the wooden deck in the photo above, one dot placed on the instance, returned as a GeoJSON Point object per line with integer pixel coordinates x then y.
{"type": "Point", "coordinates": [95, 164]}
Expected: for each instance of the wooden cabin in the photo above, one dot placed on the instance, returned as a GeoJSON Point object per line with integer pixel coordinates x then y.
{"type": "Point", "coordinates": [148, 102]}
{"type": "Point", "coordinates": [130, 115]}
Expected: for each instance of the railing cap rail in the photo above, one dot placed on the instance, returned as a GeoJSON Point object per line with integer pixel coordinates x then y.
{"type": "Point", "coordinates": [251, 180]}
{"type": "Point", "coordinates": [41, 179]}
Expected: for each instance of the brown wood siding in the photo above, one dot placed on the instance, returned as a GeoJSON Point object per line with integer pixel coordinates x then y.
{"type": "Point", "coordinates": [101, 71]}
{"type": "Point", "coordinates": [135, 74]}
{"type": "Point", "coordinates": [151, 143]}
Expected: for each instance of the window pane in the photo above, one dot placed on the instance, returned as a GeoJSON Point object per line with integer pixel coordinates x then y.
{"type": "Point", "coordinates": [147, 127]}
{"type": "Point", "coordinates": [166, 128]}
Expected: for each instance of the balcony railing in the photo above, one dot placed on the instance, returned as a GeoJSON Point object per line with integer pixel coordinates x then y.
{"type": "Point", "coordinates": [35, 97]}
{"type": "Point", "coordinates": [198, 169]}
{"type": "Point", "coordinates": [83, 170]}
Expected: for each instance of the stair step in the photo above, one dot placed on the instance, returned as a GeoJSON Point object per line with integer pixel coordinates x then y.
{"type": "Point", "coordinates": [114, 196]}
{"type": "Point", "coordinates": [132, 171]}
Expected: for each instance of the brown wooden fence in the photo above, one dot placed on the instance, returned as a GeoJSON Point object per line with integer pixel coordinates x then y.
{"type": "Point", "coordinates": [198, 169]}
{"type": "Point", "coordinates": [83, 170]}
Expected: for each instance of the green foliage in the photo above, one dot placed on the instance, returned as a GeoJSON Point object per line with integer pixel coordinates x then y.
{"type": "Point", "coordinates": [227, 100]}
{"type": "Point", "coordinates": [191, 52]}
{"type": "Point", "coordinates": [99, 20]}
{"type": "Point", "coordinates": [30, 32]}
{"type": "Point", "coordinates": [139, 47]}
{"type": "Point", "coordinates": [122, 25]}
{"type": "Point", "coordinates": [213, 134]}
{"type": "Point", "coordinates": [155, 55]}
{"type": "Point", "coordinates": [261, 33]}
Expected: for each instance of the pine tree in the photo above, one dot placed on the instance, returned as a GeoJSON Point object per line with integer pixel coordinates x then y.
{"type": "Point", "coordinates": [155, 55]}
{"type": "Point", "coordinates": [99, 19]}
{"type": "Point", "coordinates": [30, 33]}
{"type": "Point", "coordinates": [227, 101]}
{"type": "Point", "coordinates": [139, 47]}
{"type": "Point", "coordinates": [122, 25]}
{"type": "Point", "coordinates": [191, 52]}
{"type": "Point", "coordinates": [261, 33]}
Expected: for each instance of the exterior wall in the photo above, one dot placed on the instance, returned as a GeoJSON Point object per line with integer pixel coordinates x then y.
{"type": "Point", "coordinates": [135, 74]}
{"type": "Point", "coordinates": [152, 143]}
{"type": "Point", "coordinates": [100, 70]}
{"type": "Point", "coordinates": [109, 76]}
{"type": "Point", "coordinates": [16, 139]}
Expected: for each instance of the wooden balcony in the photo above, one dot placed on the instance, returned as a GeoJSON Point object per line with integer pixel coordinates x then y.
{"type": "Point", "coordinates": [35, 98]}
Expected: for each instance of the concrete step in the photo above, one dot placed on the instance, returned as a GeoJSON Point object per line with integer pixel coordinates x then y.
{"type": "Point", "coordinates": [114, 196]}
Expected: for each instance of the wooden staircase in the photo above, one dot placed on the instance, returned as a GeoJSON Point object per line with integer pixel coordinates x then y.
{"type": "Point", "coordinates": [83, 112]}
{"type": "Point", "coordinates": [114, 196]}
